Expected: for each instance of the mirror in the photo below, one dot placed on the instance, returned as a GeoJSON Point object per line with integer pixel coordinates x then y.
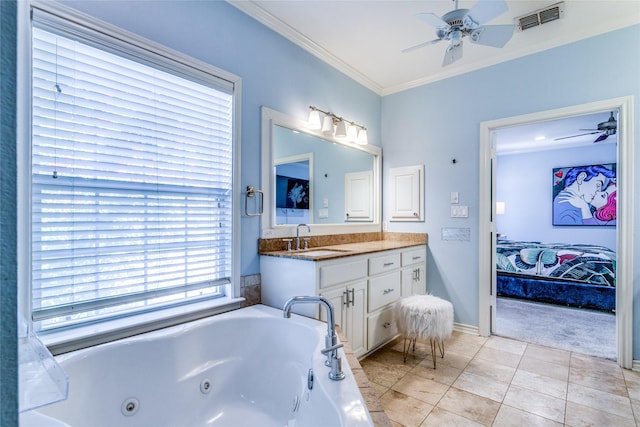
{"type": "Point", "coordinates": [311, 178]}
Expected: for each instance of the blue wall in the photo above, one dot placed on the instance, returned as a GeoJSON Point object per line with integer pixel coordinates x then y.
{"type": "Point", "coordinates": [440, 121]}
{"type": "Point", "coordinates": [523, 182]}
{"type": "Point", "coordinates": [8, 265]}
{"type": "Point", "coordinates": [435, 122]}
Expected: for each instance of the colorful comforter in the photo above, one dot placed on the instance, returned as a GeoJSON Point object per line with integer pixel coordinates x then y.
{"type": "Point", "coordinates": [590, 264]}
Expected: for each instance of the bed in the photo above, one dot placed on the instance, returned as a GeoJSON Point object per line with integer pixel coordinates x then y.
{"type": "Point", "coordinates": [576, 275]}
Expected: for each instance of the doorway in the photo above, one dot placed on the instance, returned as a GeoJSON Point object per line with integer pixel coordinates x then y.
{"type": "Point", "coordinates": [487, 239]}
{"type": "Point", "coordinates": [555, 277]}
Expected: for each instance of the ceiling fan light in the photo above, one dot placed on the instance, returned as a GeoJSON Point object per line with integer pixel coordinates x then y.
{"type": "Point", "coordinates": [362, 137]}
{"type": "Point", "coordinates": [341, 129]}
{"type": "Point", "coordinates": [327, 125]}
{"type": "Point", "coordinates": [314, 120]}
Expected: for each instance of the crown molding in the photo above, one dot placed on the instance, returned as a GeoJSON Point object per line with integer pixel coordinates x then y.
{"type": "Point", "coordinates": [259, 14]}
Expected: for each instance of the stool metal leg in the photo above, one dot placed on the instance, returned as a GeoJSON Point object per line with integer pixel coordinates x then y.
{"type": "Point", "coordinates": [434, 343]}
{"type": "Point", "coordinates": [406, 348]}
{"type": "Point", "coordinates": [441, 347]}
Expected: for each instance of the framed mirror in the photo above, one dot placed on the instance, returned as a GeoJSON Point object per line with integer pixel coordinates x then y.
{"type": "Point", "coordinates": [311, 178]}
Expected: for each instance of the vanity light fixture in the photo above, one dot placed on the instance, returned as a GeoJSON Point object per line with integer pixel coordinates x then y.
{"type": "Point", "coordinates": [314, 120]}
{"type": "Point", "coordinates": [337, 126]}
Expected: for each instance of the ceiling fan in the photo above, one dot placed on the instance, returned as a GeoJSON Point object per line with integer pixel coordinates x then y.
{"type": "Point", "coordinates": [458, 23]}
{"type": "Point", "coordinates": [605, 129]}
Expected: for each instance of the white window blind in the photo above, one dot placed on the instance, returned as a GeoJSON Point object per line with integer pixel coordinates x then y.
{"type": "Point", "coordinates": [131, 183]}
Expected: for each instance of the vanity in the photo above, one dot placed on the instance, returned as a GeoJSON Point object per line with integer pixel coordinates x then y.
{"type": "Point", "coordinates": [321, 232]}
{"type": "Point", "coordinates": [363, 281]}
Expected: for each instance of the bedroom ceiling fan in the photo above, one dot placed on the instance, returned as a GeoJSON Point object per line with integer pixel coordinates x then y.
{"type": "Point", "coordinates": [605, 129]}
{"type": "Point", "coordinates": [458, 23]}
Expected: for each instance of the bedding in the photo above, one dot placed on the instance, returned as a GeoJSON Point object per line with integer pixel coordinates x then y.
{"type": "Point", "coordinates": [570, 274]}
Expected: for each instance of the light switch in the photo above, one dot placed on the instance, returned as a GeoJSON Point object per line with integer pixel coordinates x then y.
{"type": "Point", "coordinates": [459, 211]}
{"type": "Point", "coordinates": [325, 203]}
{"type": "Point", "coordinates": [454, 197]}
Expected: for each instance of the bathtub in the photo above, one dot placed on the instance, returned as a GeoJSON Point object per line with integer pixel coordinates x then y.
{"type": "Point", "coordinates": [248, 367]}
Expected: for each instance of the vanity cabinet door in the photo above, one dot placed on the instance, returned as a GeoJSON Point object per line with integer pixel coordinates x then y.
{"type": "Point", "coordinates": [414, 280]}
{"type": "Point", "coordinates": [349, 304]}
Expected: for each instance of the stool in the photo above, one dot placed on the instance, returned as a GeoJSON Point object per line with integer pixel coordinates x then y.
{"type": "Point", "coordinates": [426, 317]}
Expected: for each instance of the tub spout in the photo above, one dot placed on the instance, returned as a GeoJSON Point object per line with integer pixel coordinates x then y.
{"type": "Point", "coordinates": [331, 340]}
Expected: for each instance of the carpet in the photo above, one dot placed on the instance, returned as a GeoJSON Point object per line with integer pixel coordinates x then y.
{"type": "Point", "coordinates": [584, 331]}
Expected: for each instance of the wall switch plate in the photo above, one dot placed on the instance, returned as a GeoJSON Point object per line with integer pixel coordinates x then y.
{"type": "Point", "coordinates": [459, 211]}
{"type": "Point", "coordinates": [325, 203]}
{"type": "Point", "coordinates": [454, 197]}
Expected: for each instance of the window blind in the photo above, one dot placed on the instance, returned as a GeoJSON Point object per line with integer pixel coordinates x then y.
{"type": "Point", "coordinates": [131, 184]}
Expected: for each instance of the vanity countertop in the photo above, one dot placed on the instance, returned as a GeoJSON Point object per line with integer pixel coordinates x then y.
{"type": "Point", "coordinates": [341, 250]}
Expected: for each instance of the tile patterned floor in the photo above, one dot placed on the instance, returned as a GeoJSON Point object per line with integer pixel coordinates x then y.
{"type": "Point", "coordinates": [501, 382]}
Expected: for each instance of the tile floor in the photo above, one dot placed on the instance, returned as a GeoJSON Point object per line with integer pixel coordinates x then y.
{"type": "Point", "coordinates": [501, 382]}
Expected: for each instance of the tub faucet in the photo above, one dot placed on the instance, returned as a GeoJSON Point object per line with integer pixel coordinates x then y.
{"type": "Point", "coordinates": [331, 340]}
{"type": "Point", "coordinates": [298, 234]}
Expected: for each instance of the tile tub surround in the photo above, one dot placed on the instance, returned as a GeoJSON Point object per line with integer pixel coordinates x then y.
{"type": "Point", "coordinates": [498, 381]}
{"type": "Point", "coordinates": [379, 417]}
{"type": "Point", "coordinates": [355, 244]}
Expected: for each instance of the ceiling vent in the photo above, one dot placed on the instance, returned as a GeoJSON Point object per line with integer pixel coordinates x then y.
{"type": "Point", "coordinates": [540, 16]}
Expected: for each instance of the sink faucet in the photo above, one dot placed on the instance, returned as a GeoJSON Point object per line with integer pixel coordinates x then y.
{"type": "Point", "coordinates": [298, 234]}
{"type": "Point", "coordinates": [331, 340]}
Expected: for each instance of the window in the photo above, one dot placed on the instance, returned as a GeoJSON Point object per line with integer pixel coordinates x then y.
{"type": "Point", "coordinates": [132, 176]}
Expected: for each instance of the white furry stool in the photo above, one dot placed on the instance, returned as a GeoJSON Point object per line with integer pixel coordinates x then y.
{"type": "Point", "coordinates": [426, 317]}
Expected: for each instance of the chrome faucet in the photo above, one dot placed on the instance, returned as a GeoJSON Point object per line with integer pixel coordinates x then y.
{"type": "Point", "coordinates": [330, 341]}
{"type": "Point", "coordinates": [298, 234]}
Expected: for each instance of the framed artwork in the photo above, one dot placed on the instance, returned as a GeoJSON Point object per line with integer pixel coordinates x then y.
{"type": "Point", "coordinates": [292, 192]}
{"type": "Point", "coordinates": [585, 195]}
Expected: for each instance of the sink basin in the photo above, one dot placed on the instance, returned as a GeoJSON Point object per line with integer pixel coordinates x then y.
{"type": "Point", "coordinates": [321, 252]}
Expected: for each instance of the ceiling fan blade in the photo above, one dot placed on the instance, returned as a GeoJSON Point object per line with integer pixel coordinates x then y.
{"type": "Point", "coordinates": [432, 19]}
{"type": "Point", "coordinates": [452, 54]}
{"type": "Point", "coordinates": [574, 136]}
{"type": "Point", "coordinates": [493, 35]}
{"type": "Point", "coordinates": [418, 46]}
{"type": "Point", "coordinates": [601, 137]}
{"type": "Point", "coordinates": [485, 11]}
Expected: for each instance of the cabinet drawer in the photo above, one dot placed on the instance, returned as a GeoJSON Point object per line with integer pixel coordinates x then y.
{"type": "Point", "coordinates": [380, 264]}
{"type": "Point", "coordinates": [381, 328]}
{"type": "Point", "coordinates": [344, 272]}
{"type": "Point", "coordinates": [384, 290]}
{"type": "Point", "coordinates": [413, 256]}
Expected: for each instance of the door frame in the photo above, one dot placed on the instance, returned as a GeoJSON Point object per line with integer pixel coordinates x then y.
{"type": "Point", "coordinates": [625, 217]}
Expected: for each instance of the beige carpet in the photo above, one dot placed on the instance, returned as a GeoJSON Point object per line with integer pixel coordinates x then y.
{"type": "Point", "coordinates": [584, 331]}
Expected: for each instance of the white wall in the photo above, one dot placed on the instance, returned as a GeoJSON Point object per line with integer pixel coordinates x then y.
{"type": "Point", "coordinates": [524, 183]}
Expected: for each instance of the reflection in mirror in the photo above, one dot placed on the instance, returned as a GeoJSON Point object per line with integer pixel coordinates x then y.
{"type": "Point", "coordinates": [326, 195]}
{"type": "Point", "coordinates": [293, 192]}
{"type": "Point", "coordinates": [314, 179]}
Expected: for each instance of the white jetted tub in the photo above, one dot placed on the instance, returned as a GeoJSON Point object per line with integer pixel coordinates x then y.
{"type": "Point", "coordinates": [248, 367]}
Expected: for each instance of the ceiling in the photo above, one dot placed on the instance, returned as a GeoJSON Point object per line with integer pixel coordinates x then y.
{"type": "Point", "coordinates": [365, 39]}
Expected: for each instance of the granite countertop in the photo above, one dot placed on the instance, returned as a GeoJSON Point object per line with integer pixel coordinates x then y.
{"type": "Point", "coordinates": [341, 250]}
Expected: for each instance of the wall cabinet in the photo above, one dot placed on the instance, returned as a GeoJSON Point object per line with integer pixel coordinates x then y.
{"type": "Point", "coordinates": [363, 289]}
{"type": "Point", "coordinates": [406, 193]}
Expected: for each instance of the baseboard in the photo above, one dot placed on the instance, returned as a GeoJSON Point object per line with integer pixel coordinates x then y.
{"type": "Point", "coordinates": [467, 329]}
{"type": "Point", "coordinates": [635, 365]}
